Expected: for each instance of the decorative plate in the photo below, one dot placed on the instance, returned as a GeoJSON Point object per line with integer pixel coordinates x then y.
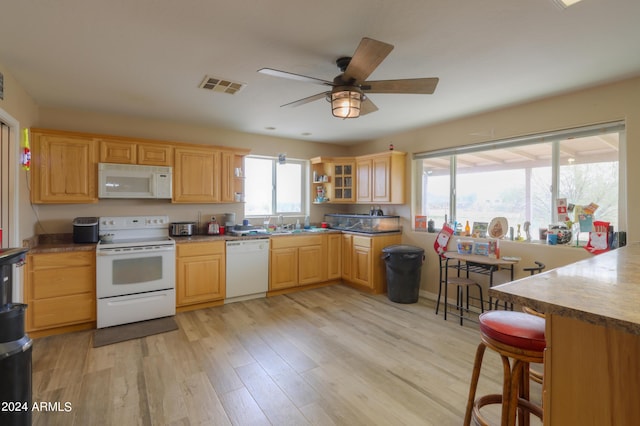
{"type": "Point", "coordinates": [498, 227]}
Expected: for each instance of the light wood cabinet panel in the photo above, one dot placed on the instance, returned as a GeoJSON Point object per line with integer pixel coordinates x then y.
{"type": "Point", "coordinates": [591, 374]}
{"type": "Point", "coordinates": [201, 273]}
{"type": "Point", "coordinates": [362, 260]}
{"type": "Point", "coordinates": [363, 173]}
{"type": "Point", "coordinates": [132, 152]}
{"type": "Point", "coordinates": [361, 265]}
{"type": "Point", "coordinates": [310, 264]}
{"type": "Point", "coordinates": [196, 176]}
{"type": "Point", "coordinates": [119, 152]}
{"type": "Point", "coordinates": [60, 290]}
{"type": "Point", "coordinates": [334, 256]}
{"type": "Point", "coordinates": [297, 261]}
{"type": "Point", "coordinates": [61, 311]}
{"type": "Point", "coordinates": [64, 168]}
{"type": "Point", "coordinates": [381, 178]}
{"type": "Point", "coordinates": [347, 248]}
{"type": "Point", "coordinates": [155, 154]}
{"type": "Point", "coordinates": [232, 183]}
{"type": "Point", "coordinates": [283, 268]}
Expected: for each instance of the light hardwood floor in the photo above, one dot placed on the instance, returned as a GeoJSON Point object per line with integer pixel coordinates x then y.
{"type": "Point", "coordinates": [329, 356]}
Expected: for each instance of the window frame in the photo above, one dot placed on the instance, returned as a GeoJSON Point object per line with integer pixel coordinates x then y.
{"type": "Point", "coordinates": [304, 172]}
{"type": "Point", "coordinates": [555, 138]}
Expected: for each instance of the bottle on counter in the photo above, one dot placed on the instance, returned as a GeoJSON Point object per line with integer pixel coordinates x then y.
{"type": "Point", "coordinates": [467, 229]}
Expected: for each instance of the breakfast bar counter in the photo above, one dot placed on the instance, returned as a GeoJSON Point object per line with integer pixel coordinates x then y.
{"type": "Point", "coordinates": [592, 359]}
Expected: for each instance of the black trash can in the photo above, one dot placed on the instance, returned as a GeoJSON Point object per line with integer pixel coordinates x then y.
{"type": "Point", "coordinates": [404, 266]}
{"type": "Point", "coordinates": [15, 348]}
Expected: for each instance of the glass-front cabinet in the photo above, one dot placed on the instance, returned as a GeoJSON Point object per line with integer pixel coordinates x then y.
{"type": "Point", "coordinates": [333, 180]}
{"type": "Point", "coordinates": [343, 189]}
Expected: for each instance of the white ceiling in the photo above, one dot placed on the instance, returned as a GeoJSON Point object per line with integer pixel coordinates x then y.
{"type": "Point", "coordinates": [147, 57]}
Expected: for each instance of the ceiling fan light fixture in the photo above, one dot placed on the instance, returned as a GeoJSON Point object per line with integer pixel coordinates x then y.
{"type": "Point", "coordinates": [346, 101]}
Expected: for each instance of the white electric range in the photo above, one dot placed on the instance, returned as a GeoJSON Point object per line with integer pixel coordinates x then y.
{"type": "Point", "coordinates": [135, 271]}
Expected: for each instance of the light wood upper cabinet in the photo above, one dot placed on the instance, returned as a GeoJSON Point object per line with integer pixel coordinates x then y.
{"type": "Point", "coordinates": [381, 178]}
{"type": "Point", "coordinates": [208, 175]}
{"type": "Point", "coordinates": [131, 152]}
{"type": "Point", "coordinates": [155, 154]}
{"type": "Point", "coordinates": [336, 177]}
{"type": "Point", "coordinates": [231, 177]}
{"type": "Point", "coordinates": [196, 175]}
{"type": "Point", "coordinates": [120, 152]}
{"type": "Point", "coordinates": [64, 168]}
{"type": "Point", "coordinates": [363, 173]}
{"type": "Point", "coordinates": [200, 273]}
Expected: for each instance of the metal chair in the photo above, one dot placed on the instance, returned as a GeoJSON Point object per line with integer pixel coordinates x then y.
{"type": "Point", "coordinates": [461, 284]}
{"type": "Point", "coordinates": [535, 269]}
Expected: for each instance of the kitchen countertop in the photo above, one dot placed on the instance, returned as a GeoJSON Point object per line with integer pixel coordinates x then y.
{"type": "Point", "coordinates": [602, 290]}
{"type": "Point", "coordinates": [59, 243]}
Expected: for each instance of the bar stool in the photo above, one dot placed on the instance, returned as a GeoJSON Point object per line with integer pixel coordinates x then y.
{"type": "Point", "coordinates": [516, 337]}
{"type": "Point", "coordinates": [461, 284]}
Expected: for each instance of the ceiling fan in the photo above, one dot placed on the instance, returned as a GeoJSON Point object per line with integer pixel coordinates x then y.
{"type": "Point", "coordinates": [348, 94]}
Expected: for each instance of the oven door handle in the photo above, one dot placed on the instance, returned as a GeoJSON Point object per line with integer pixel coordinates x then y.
{"type": "Point", "coordinates": [137, 250]}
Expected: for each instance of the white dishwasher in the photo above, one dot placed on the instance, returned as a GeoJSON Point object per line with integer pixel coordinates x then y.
{"type": "Point", "coordinates": [247, 269]}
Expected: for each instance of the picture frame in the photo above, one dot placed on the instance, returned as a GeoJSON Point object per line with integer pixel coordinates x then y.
{"type": "Point", "coordinates": [479, 229]}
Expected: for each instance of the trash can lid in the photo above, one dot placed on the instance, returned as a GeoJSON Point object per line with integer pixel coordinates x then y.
{"type": "Point", "coordinates": [402, 248]}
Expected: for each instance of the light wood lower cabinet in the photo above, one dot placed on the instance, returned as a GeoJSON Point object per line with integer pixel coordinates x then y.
{"type": "Point", "coordinates": [297, 261]}
{"type": "Point", "coordinates": [591, 374]}
{"type": "Point", "coordinates": [200, 274]}
{"type": "Point", "coordinates": [334, 256]}
{"type": "Point", "coordinates": [362, 263]}
{"type": "Point", "coordinates": [60, 291]}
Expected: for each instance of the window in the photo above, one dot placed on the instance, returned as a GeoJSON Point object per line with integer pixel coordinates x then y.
{"type": "Point", "coordinates": [274, 188]}
{"type": "Point", "coordinates": [522, 180]}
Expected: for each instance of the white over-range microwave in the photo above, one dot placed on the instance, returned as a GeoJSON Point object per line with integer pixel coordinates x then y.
{"type": "Point", "coordinates": [134, 181]}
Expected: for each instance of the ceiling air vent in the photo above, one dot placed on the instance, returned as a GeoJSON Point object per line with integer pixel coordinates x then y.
{"type": "Point", "coordinates": [221, 85]}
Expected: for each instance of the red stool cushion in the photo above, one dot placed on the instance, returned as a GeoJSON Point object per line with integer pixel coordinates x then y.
{"type": "Point", "coordinates": [517, 329]}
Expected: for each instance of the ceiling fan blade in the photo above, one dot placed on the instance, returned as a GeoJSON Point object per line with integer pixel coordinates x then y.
{"type": "Point", "coordinates": [369, 54]}
{"type": "Point", "coordinates": [306, 100]}
{"type": "Point", "coordinates": [425, 86]}
{"type": "Point", "coordinates": [367, 106]}
{"type": "Point", "coordinates": [292, 76]}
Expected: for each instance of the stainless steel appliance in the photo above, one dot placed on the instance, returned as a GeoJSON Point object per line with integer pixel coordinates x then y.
{"type": "Point", "coordinates": [135, 271]}
{"type": "Point", "coordinates": [247, 269]}
{"type": "Point", "coordinates": [134, 181]}
{"type": "Point", "coordinates": [182, 229]}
